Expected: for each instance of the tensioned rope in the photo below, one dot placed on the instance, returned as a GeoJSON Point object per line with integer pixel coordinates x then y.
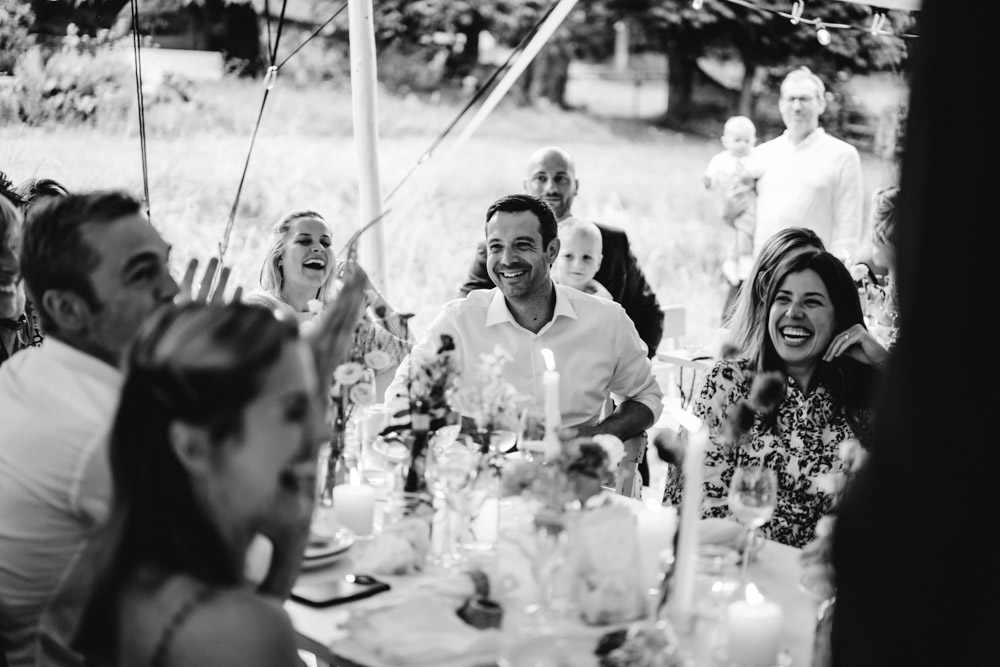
{"type": "Point", "coordinates": [136, 49]}
{"type": "Point", "coordinates": [478, 95]}
{"type": "Point", "coordinates": [269, 80]}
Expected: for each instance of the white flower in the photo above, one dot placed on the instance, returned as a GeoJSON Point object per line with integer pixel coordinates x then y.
{"type": "Point", "coordinates": [362, 394]}
{"type": "Point", "coordinates": [828, 483]}
{"type": "Point", "coordinates": [349, 373]}
{"type": "Point", "coordinates": [377, 360]}
{"type": "Point", "coordinates": [613, 447]}
{"type": "Point", "coordinates": [314, 306]}
{"type": "Point", "coordinates": [859, 272]}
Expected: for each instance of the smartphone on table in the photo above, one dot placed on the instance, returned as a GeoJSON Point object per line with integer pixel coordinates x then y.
{"type": "Point", "coordinates": [347, 588]}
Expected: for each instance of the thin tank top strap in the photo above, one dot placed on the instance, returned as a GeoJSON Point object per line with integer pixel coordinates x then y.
{"type": "Point", "coordinates": [176, 621]}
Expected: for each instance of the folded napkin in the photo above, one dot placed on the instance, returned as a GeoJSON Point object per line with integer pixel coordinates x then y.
{"type": "Point", "coordinates": [424, 630]}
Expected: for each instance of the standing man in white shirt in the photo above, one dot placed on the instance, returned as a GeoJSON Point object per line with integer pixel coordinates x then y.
{"type": "Point", "coordinates": [596, 347]}
{"type": "Point", "coordinates": [810, 178]}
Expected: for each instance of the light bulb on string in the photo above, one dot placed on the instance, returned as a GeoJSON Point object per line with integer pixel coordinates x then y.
{"type": "Point", "coordinates": [822, 34]}
{"type": "Point", "coordinates": [878, 21]}
{"type": "Point", "coordinates": [697, 4]}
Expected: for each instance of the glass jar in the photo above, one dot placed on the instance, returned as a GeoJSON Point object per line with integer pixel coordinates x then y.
{"type": "Point", "coordinates": [717, 580]}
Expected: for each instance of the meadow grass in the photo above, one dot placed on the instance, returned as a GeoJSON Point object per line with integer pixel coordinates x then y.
{"type": "Point", "coordinates": [633, 175]}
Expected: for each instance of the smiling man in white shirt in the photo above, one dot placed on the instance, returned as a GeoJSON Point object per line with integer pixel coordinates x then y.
{"type": "Point", "coordinates": [596, 347]}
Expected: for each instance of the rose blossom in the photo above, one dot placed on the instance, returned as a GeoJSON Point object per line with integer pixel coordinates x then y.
{"type": "Point", "coordinates": [362, 394]}
{"type": "Point", "coordinates": [349, 373]}
{"type": "Point", "coordinates": [377, 360]}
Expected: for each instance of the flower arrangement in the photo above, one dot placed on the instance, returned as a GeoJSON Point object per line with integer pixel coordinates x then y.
{"type": "Point", "coordinates": [766, 393]}
{"type": "Point", "coordinates": [430, 380]}
{"type": "Point", "coordinates": [491, 402]}
{"type": "Point", "coordinates": [582, 467]}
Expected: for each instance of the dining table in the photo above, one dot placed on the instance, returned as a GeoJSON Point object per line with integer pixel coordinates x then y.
{"type": "Point", "coordinates": [325, 632]}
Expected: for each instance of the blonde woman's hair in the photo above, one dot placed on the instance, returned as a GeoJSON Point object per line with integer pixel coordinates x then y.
{"type": "Point", "coordinates": [272, 277]}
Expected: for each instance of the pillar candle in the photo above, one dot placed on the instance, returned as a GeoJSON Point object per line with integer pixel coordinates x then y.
{"type": "Point", "coordinates": [656, 526]}
{"type": "Point", "coordinates": [687, 540]}
{"type": "Point", "coordinates": [354, 507]}
{"type": "Point", "coordinates": [754, 627]}
{"type": "Point", "coordinates": [553, 414]}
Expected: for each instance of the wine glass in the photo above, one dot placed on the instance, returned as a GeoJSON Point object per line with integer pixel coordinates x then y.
{"type": "Point", "coordinates": [451, 468]}
{"type": "Point", "coordinates": [753, 495]}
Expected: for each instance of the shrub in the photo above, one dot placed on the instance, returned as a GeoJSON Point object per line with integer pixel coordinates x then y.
{"type": "Point", "coordinates": [16, 18]}
{"type": "Point", "coordinates": [88, 80]}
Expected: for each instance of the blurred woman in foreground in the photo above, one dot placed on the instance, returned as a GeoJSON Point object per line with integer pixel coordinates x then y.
{"type": "Point", "coordinates": [214, 442]}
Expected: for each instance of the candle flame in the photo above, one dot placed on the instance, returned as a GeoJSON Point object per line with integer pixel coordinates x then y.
{"type": "Point", "coordinates": [550, 361]}
{"type": "Point", "coordinates": [753, 594]}
{"type": "Point", "coordinates": [354, 477]}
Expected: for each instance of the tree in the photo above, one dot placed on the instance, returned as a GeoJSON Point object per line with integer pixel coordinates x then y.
{"type": "Point", "coordinates": [759, 38]}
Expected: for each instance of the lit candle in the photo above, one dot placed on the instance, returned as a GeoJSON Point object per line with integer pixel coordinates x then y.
{"type": "Point", "coordinates": [354, 506]}
{"type": "Point", "coordinates": [687, 540]}
{"type": "Point", "coordinates": [656, 526]}
{"type": "Point", "coordinates": [754, 628]}
{"type": "Point", "coordinates": [553, 416]}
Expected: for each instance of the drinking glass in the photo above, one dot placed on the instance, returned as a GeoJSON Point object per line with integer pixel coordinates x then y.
{"type": "Point", "coordinates": [753, 495]}
{"type": "Point", "coordinates": [451, 468]}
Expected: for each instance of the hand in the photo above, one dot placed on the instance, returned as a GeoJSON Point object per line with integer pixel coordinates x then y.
{"type": "Point", "coordinates": [292, 509]}
{"type": "Point", "coordinates": [373, 298]}
{"type": "Point", "coordinates": [333, 335]}
{"type": "Point", "coordinates": [207, 293]}
{"type": "Point", "coordinates": [859, 344]}
{"type": "Point", "coordinates": [287, 527]}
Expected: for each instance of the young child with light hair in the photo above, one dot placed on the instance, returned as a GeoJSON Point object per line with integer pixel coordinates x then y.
{"type": "Point", "coordinates": [580, 254]}
{"type": "Point", "coordinates": [733, 174]}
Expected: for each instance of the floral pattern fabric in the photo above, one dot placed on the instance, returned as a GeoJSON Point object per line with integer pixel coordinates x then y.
{"type": "Point", "coordinates": [802, 449]}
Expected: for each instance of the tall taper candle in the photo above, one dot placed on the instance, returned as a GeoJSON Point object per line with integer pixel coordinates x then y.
{"type": "Point", "coordinates": [553, 414]}
{"type": "Point", "coordinates": [687, 540]}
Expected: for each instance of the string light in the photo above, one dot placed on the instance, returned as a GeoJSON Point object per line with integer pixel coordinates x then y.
{"type": "Point", "coordinates": [697, 4]}
{"type": "Point", "coordinates": [880, 27]}
{"type": "Point", "coordinates": [797, 8]}
{"type": "Point", "coordinates": [822, 35]}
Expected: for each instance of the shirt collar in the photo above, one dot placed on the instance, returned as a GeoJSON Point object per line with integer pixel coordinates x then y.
{"type": "Point", "coordinates": [813, 137]}
{"type": "Point", "coordinates": [497, 312]}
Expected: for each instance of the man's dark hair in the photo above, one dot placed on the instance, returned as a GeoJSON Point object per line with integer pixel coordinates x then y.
{"type": "Point", "coordinates": [54, 255]}
{"type": "Point", "coordinates": [548, 226]}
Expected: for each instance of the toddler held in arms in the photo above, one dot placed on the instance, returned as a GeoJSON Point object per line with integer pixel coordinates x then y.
{"type": "Point", "coordinates": [733, 174]}
{"type": "Point", "coordinates": [580, 252]}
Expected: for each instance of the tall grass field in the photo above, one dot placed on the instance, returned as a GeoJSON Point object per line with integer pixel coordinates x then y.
{"type": "Point", "coordinates": [643, 179]}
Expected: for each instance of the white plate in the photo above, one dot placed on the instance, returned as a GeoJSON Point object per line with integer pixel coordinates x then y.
{"type": "Point", "coordinates": [320, 553]}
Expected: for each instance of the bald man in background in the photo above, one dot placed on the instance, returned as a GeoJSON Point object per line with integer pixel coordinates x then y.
{"type": "Point", "coordinates": [550, 175]}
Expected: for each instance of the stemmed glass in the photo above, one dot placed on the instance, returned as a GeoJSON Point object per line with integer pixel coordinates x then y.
{"type": "Point", "coordinates": [753, 495]}
{"type": "Point", "coordinates": [451, 469]}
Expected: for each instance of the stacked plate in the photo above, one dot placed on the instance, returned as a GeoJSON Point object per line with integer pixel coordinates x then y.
{"type": "Point", "coordinates": [325, 548]}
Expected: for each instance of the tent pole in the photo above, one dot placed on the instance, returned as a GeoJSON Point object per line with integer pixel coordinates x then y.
{"type": "Point", "coordinates": [365, 114]}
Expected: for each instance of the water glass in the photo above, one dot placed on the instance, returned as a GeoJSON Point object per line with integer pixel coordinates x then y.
{"type": "Point", "coordinates": [373, 419]}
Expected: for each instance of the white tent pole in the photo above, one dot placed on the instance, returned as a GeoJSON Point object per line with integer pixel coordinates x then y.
{"type": "Point", "coordinates": [365, 113]}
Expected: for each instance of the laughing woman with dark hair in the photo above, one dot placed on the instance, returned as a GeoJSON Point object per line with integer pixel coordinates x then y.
{"type": "Point", "coordinates": [812, 332]}
{"type": "Point", "coordinates": [214, 442]}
